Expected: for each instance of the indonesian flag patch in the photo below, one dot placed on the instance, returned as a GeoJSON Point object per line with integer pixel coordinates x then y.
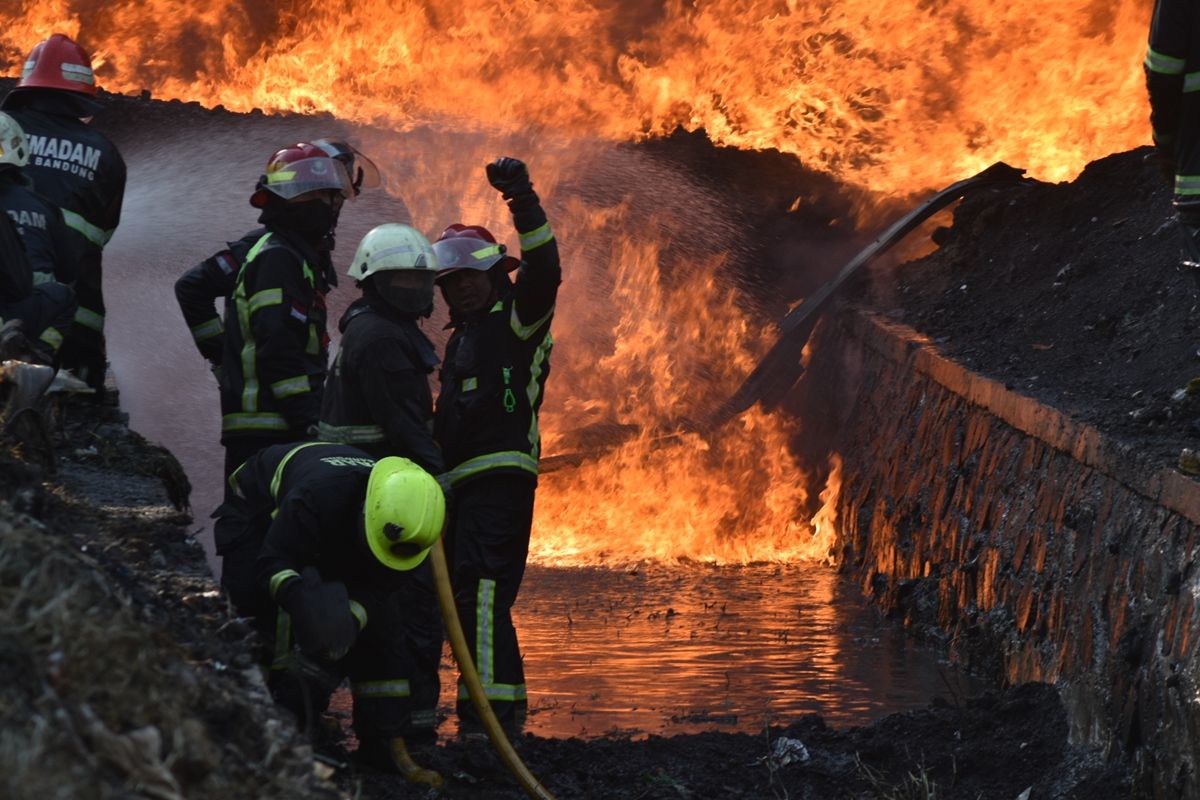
{"type": "Point", "coordinates": [299, 312]}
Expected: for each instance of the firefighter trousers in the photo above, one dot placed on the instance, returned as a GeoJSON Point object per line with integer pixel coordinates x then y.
{"type": "Point", "coordinates": [488, 544]}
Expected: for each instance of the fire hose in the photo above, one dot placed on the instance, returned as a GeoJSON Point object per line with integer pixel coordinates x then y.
{"type": "Point", "coordinates": [466, 666]}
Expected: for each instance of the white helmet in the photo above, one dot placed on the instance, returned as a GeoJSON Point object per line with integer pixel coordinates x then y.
{"type": "Point", "coordinates": [14, 149]}
{"type": "Point", "coordinates": [391, 247]}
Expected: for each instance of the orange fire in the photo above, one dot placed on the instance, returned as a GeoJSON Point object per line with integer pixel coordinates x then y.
{"type": "Point", "coordinates": [898, 99]}
{"type": "Point", "coordinates": [895, 100]}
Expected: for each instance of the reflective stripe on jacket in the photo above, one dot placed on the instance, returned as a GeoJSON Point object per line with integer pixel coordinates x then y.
{"type": "Point", "coordinates": [275, 343]}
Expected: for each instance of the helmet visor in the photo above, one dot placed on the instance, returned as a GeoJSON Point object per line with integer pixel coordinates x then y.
{"type": "Point", "coordinates": [362, 170]}
{"type": "Point", "coordinates": [466, 253]}
{"type": "Point", "coordinates": [293, 178]}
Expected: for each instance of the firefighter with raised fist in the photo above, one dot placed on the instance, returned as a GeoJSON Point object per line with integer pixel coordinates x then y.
{"type": "Point", "coordinates": [78, 169]}
{"type": "Point", "coordinates": [486, 420]}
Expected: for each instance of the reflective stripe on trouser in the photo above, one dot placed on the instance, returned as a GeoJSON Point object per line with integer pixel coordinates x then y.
{"type": "Point", "coordinates": [488, 543]}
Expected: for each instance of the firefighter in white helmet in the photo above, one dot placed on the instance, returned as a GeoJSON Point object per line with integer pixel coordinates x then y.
{"type": "Point", "coordinates": [377, 398]}
{"type": "Point", "coordinates": [36, 308]}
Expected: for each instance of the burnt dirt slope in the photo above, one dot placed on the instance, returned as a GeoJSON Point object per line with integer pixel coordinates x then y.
{"type": "Point", "coordinates": [1070, 293]}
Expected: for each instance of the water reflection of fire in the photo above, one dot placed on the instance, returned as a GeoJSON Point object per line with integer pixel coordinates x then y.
{"type": "Point", "coordinates": [896, 102]}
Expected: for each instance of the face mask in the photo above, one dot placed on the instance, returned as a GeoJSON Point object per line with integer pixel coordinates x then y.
{"type": "Point", "coordinates": [408, 301]}
{"type": "Point", "coordinates": [312, 219]}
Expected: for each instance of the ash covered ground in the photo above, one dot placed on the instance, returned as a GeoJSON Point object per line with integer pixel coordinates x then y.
{"type": "Point", "coordinates": [1070, 293]}
{"type": "Point", "coordinates": [126, 675]}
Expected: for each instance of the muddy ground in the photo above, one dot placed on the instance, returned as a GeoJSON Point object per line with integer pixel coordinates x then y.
{"type": "Point", "coordinates": [125, 674]}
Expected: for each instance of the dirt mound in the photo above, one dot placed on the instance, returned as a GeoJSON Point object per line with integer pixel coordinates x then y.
{"type": "Point", "coordinates": [1070, 293]}
{"type": "Point", "coordinates": [122, 671]}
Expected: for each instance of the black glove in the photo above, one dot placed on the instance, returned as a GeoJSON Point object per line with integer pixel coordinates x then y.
{"type": "Point", "coordinates": [321, 618]}
{"type": "Point", "coordinates": [509, 176]}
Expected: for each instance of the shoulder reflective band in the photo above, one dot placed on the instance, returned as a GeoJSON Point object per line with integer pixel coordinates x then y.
{"type": "Point", "coordinates": [525, 332]}
{"type": "Point", "coordinates": [280, 578]}
{"type": "Point", "coordinates": [96, 235]}
{"type": "Point", "coordinates": [1191, 82]}
{"type": "Point", "coordinates": [258, 247]}
{"type": "Point", "coordinates": [1163, 64]}
{"type": "Point", "coordinates": [277, 478]}
{"type": "Point", "coordinates": [536, 238]}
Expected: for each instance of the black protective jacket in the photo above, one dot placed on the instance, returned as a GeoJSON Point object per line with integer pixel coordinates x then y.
{"type": "Point", "coordinates": [275, 343]}
{"type": "Point", "coordinates": [40, 224]}
{"type": "Point", "coordinates": [309, 499]}
{"type": "Point", "coordinates": [16, 278]}
{"type": "Point", "coordinates": [77, 168]}
{"type": "Point", "coordinates": [1173, 80]}
{"type": "Point", "coordinates": [497, 362]}
{"type": "Point", "coordinates": [377, 396]}
{"type": "Point", "coordinates": [198, 289]}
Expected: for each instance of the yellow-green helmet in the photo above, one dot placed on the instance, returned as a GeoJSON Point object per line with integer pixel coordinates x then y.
{"type": "Point", "coordinates": [403, 513]}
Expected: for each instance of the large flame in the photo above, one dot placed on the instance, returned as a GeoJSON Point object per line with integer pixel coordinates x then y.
{"type": "Point", "coordinates": [896, 98]}
{"type": "Point", "coordinates": [893, 99]}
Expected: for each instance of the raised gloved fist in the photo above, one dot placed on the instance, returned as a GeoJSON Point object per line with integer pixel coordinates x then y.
{"type": "Point", "coordinates": [509, 175]}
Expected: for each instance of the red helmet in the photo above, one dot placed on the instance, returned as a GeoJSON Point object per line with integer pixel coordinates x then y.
{"type": "Point", "coordinates": [470, 247]}
{"type": "Point", "coordinates": [58, 63]}
{"type": "Point", "coordinates": [298, 169]}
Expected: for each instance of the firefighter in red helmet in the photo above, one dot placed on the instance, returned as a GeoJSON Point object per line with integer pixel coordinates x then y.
{"type": "Point", "coordinates": [486, 420]}
{"type": "Point", "coordinates": [79, 170]}
{"type": "Point", "coordinates": [271, 350]}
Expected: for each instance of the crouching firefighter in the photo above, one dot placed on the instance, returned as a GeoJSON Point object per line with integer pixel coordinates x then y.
{"type": "Point", "coordinates": [492, 381]}
{"type": "Point", "coordinates": [317, 537]}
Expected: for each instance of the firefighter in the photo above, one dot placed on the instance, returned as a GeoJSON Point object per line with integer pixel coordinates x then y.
{"type": "Point", "coordinates": [1172, 69]}
{"type": "Point", "coordinates": [32, 252]}
{"type": "Point", "coordinates": [377, 397]}
{"type": "Point", "coordinates": [486, 420]}
{"type": "Point", "coordinates": [79, 170]}
{"type": "Point", "coordinates": [198, 289]}
{"type": "Point", "coordinates": [321, 535]}
{"type": "Point", "coordinates": [1172, 66]}
{"type": "Point", "coordinates": [270, 353]}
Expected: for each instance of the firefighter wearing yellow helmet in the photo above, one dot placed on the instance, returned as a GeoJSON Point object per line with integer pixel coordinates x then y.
{"type": "Point", "coordinates": [323, 535]}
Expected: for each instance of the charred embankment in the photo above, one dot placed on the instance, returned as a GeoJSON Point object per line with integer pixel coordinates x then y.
{"type": "Point", "coordinates": [1029, 512]}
